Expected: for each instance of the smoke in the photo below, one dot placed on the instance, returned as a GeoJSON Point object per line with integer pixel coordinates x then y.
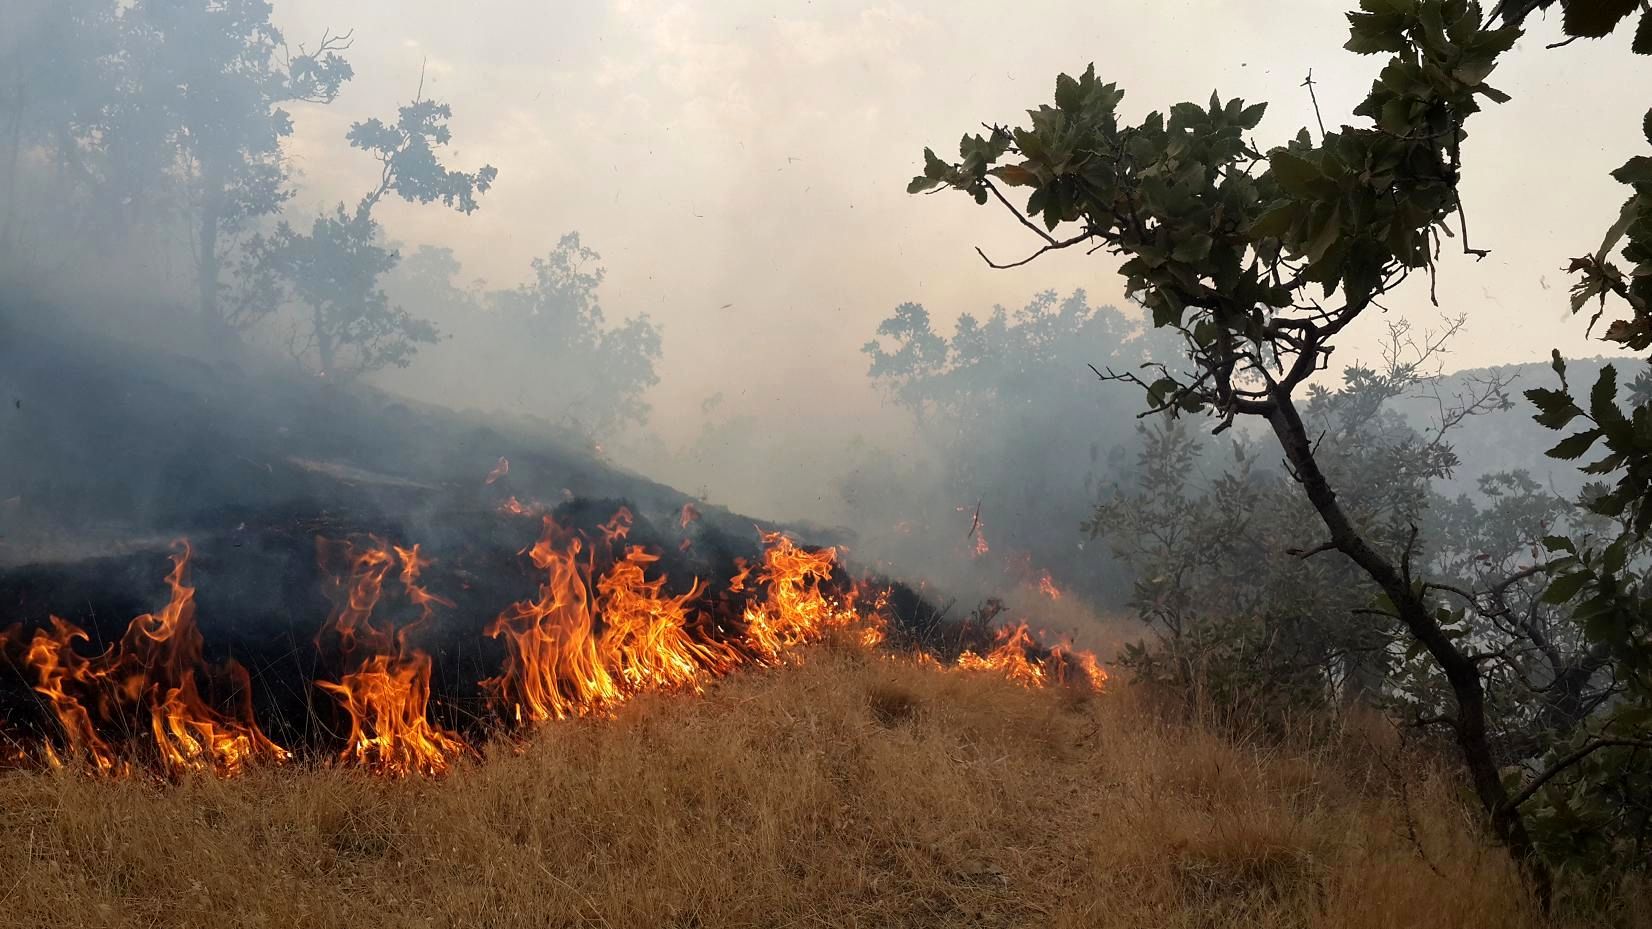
{"type": "Point", "coordinates": [696, 225]}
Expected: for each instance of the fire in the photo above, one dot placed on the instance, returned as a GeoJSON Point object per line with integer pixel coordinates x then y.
{"type": "Point", "coordinates": [499, 470]}
{"type": "Point", "coordinates": [515, 507]}
{"type": "Point", "coordinates": [388, 695]}
{"type": "Point", "coordinates": [1046, 586]}
{"type": "Point", "coordinates": [689, 514]}
{"type": "Point", "coordinates": [795, 610]}
{"type": "Point", "coordinates": [590, 641]}
{"type": "Point", "coordinates": [1016, 654]}
{"type": "Point", "coordinates": [152, 671]}
{"type": "Point", "coordinates": [605, 625]}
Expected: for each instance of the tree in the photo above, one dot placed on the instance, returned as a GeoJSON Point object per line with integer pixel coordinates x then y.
{"type": "Point", "coordinates": [161, 114]}
{"type": "Point", "coordinates": [1592, 792]}
{"type": "Point", "coordinates": [203, 87]}
{"type": "Point", "coordinates": [991, 408]}
{"type": "Point", "coordinates": [546, 348]}
{"type": "Point", "coordinates": [1257, 262]}
{"type": "Point", "coordinates": [348, 326]}
{"type": "Point", "coordinates": [592, 374]}
{"type": "Point", "coordinates": [60, 73]}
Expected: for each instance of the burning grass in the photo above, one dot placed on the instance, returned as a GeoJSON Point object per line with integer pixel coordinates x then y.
{"type": "Point", "coordinates": [851, 788]}
{"type": "Point", "coordinates": [602, 630]}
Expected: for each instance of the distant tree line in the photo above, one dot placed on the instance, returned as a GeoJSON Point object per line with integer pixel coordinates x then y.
{"type": "Point", "coordinates": [162, 126]}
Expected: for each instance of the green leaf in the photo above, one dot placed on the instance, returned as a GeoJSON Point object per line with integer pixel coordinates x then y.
{"type": "Point", "coordinates": [1475, 71]}
{"type": "Point", "coordinates": [1637, 170]}
{"type": "Point", "coordinates": [1565, 587]}
{"type": "Point", "coordinates": [1646, 121]}
{"type": "Point", "coordinates": [920, 184]}
{"type": "Point", "coordinates": [1559, 543]}
{"type": "Point", "coordinates": [1275, 223]}
{"type": "Point", "coordinates": [1251, 116]}
{"type": "Point", "coordinates": [1374, 33]}
{"type": "Point", "coordinates": [1558, 364]}
{"type": "Point", "coordinates": [1596, 18]}
{"type": "Point", "coordinates": [1626, 218]}
{"type": "Point", "coordinates": [1296, 175]}
{"type": "Point", "coordinates": [1193, 249]}
{"type": "Point", "coordinates": [1555, 407]}
{"type": "Point", "coordinates": [1574, 447]}
{"type": "Point", "coordinates": [1068, 96]}
{"type": "Point", "coordinates": [1643, 45]}
{"type": "Point", "coordinates": [1497, 96]}
{"type": "Point", "coordinates": [1616, 555]}
{"type": "Point", "coordinates": [1603, 399]}
{"type": "Point", "coordinates": [1326, 236]}
{"type": "Point", "coordinates": [934, 166]}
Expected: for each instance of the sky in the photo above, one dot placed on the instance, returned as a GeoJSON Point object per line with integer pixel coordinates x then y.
{"type": "Point", "coordinates": [741, 166]}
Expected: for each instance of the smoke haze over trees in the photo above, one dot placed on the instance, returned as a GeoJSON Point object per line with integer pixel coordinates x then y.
{"type": "Point", "coordinates": [1262, 421]}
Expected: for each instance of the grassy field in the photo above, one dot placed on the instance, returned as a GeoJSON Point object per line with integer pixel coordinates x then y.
{"type": "Point", "coordinates": [852, 790]}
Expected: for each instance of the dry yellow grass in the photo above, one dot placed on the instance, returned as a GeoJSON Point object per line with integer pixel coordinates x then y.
{"type": "Point", "coordinates": [851, 791]}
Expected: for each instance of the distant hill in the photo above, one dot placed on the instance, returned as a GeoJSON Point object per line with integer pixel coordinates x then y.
{"type": "Point", "coordinates": [1509, 439]}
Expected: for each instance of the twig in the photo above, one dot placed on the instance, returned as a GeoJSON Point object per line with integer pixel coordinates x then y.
{"type": "Point", "coordinates": [1309, 83]}
{"type": "Point", "coordinates": [1567, 761]}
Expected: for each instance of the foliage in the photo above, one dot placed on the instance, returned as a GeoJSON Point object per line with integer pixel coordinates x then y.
{"type": "Point", "coordinates": [164, 112]}
{"type": "Point", "coordinates": [545, 348]}
{"type": "Point", "coordinates": [1258, 261]}
{"type": "Point", "coordinates": [333, 271]}
{"type": "Point", "coordinates": [347, 325]}
{"type": "Point", "coordinates": [992, 408]}
{"type": "Point", "coordinates": [1596, 801]}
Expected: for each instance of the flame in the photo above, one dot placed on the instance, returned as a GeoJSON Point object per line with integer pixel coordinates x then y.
{"type": "Point", "coordinates": [1046, 586]}
{"type": "Point", "coordinates": [387, 697]}
{"type": "Point", "coordinates": [603, 628]}
{"type": "Point", "coordinates": [56, 665]}
{"type": "Point", "coordinates": [794, 610]}
{"type": "Point", "coordinates": [515, 507]}
{"type": "Point", "coordinates": [499, 470]}
{"type": "Point", "coordinates": [153, 669]}
{"type": "Point", "coordinates": [584, 646]}
{"type": "Point", "coordinates": [589, 642]}
{"type": "Point", "coordinates": [1016, 655]}
{"type": "Point", "coordinates": [689, 514]}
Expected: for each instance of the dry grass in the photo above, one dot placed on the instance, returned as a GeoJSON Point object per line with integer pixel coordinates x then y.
{"type": "Point", "coordinates": [852, 791]}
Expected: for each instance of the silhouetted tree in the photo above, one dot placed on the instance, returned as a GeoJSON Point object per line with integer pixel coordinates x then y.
{"type": "Point", "coordinates": [347, 325]}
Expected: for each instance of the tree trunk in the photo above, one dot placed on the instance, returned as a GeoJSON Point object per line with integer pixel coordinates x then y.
{"type": "Point", "coordinates": [1473, 741]}
{"type": "Point", "coordinates": [323, 340]}
{"type": "Point", "coordinates": [206, 260]}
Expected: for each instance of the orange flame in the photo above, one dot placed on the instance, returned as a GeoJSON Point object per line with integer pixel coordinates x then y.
{"type": "Point", "coordinates": [1046, 586]}
{"type": "Point", "coordinates": [585, 646]}
{"type": "Point", "coordinates": [590, 640]}
{"type": "Point", "coordinates": [155, 668]}
{"type": "Point", "coordinates": [794, 610]}
{"type": "Point", "coordinates": [1015, 655]}
{"type": "Point", "coordinates": [387, 697]}
{"type": "Point", "coordinates": [499, 470]}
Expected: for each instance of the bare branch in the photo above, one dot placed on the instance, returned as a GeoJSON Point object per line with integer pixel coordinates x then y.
{"type": "Point", "coordinates": [1568, 760]}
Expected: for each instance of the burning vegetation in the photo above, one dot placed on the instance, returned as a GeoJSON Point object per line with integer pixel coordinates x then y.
{"type": "Point", "coordinates": [605, 625]}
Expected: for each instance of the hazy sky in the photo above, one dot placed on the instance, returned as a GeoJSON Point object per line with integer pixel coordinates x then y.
{"type": "Point", "coordinates": [756, 154]}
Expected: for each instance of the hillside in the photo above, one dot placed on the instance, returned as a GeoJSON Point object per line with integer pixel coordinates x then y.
{"type": "Point", "coordinates": [845, 790]}
{"type": "Point", "coordinates": [1509, 439]}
